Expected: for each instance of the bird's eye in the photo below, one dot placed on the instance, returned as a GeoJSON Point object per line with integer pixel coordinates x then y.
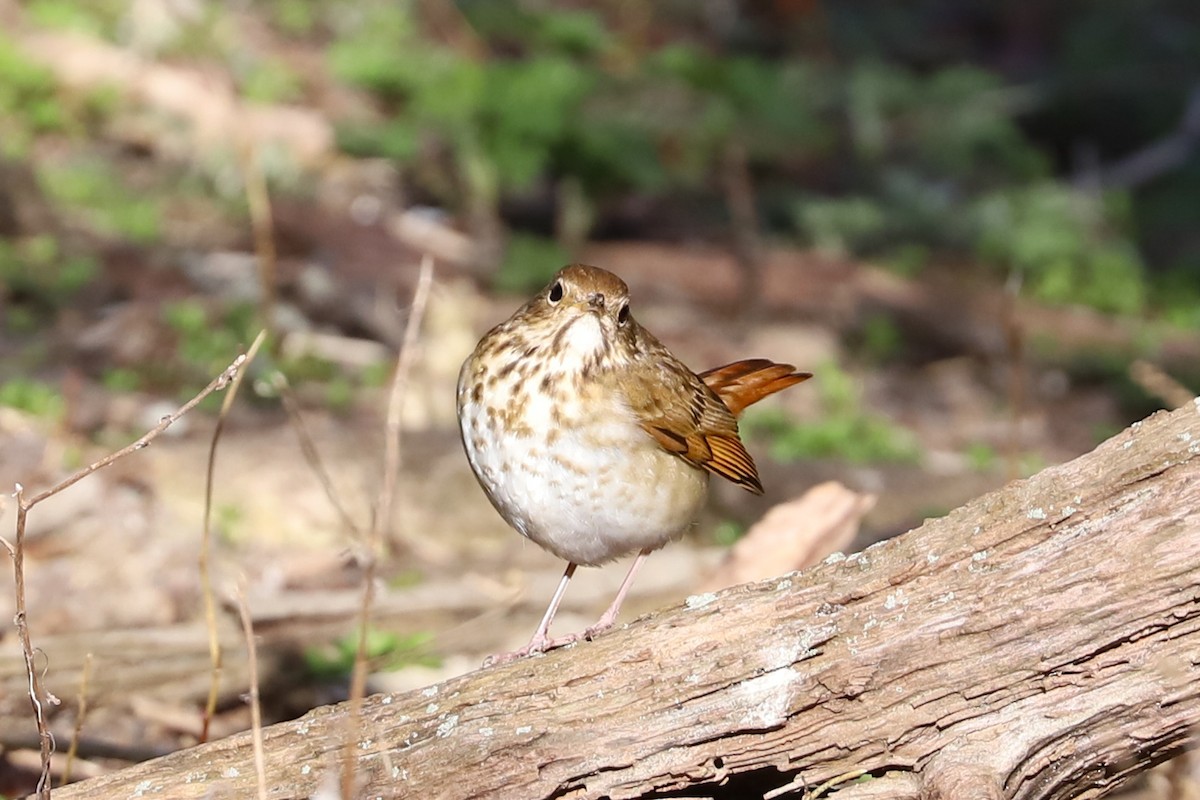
{"type": "Point", "coordinates": [623, 314]}
{"type": "Point", "coordinates": [556, 292]}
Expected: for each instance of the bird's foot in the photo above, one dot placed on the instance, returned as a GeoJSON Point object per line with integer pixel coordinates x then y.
{"type": "Point", "coordinates": [540, 643]}
{"type": "Point", "coordinates": [602, 625]}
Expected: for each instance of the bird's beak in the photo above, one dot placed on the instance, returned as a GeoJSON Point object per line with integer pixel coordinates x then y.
{"type": "Point", "coordinates": [596, 301]}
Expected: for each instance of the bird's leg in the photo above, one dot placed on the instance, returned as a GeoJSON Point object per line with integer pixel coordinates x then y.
{"type": "Point", "coordinates": [609, 617]}
{"type": "Point", "coordinates": [541, 640]}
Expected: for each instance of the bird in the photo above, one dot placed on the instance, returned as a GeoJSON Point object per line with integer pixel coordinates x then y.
{"type": "Point", "coordinates": [591, 439]}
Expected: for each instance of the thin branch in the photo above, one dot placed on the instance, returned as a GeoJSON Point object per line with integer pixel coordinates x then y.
{"type": "Point", "coordinates": [36, 695]}
{"type": "Point", "coordinates": [255, 707]}
{"type": "Point", "coordinates": [309, 449]}
{"type": "Point", "coordinates": [1158, 158]}
{"type": "Point", "coordinates": [210, 604]}
{"type": "Point", "coordinates": [738, 186]}
{"type": "Point", "coordinates": [391, 468]}
{"type": "Point", "coordinates": [17, 551]}
{"type": "Point", "coordinates": [1155, 381]}
{"type": "Point", "coordinates": [82, 702]}
{"type": "Point", "coordinates": [404, 363]}
{"type": "Point", "coordinates": [219, 383]}
{"type": "Point", "coordinates": [258, 201]}
{"type": "Point", "coordinates": [1014, 345]}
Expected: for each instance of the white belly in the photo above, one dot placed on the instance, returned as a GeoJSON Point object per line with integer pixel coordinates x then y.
{"type": "Point", "coordinates": [587, 488]}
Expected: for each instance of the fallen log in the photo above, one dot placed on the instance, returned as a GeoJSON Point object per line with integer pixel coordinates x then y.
{"type": "Point", "coordinates": [1041, 642]}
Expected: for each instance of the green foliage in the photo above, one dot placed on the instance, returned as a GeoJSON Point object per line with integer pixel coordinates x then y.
{"type": "Point", "coordinates": [1103, 431]}
{"type": "Point", "coordinates": [1062, 241]}
{"type": "Point", "coordinates": [844, 431]}
{"type": "Point", "coordinates": [982, 456]}
{"type": "Point", "coordinates": [907, 152]}
{"type": "Point", "coordinates": [501, 120]}
{"type": "Point", "coordinates": [1031, 464]}
{"type": "Point", "coordinates": [727, 532]}
{"type": "Point", "coordinates": [385, 650]}
{"type": "Point", "coordinates": [395, 139]}
{"type": "Point", "coordinates": [35, 271]}
{"type": "Point", "coordinates": [336, 387]}
{"type": "Point", "coordinates": [948, 142]}
{"type": "Point", "coordinates": [296, 17]}
{"type": "Point", "coordinates": [339, 393]}
{"type": "Point", "coordinates": [121, 380]}
{"type": "Point", "coordinates": [880, 339]}
{"type": "Point", "coordinates": [208, 340]}
{"type": "Point", "coordinates": [578, 33]}
{"type": "Point", "coordinates": [97, 17]}
{"type": "Point", "coordinates": [527, 111]}
{"type": "Point", "coordinates": [955, 122]}
{"type": "Point", "coordinates": [306, 368]}
{"type": "Point", "coordinates": [406, 578]}
{"type": "Point", "coordinates": [369, 53]}
{"type": "Point", "coordinates": [529, 263]}
{"type": "Point", "coordinates": [227, 519]}
{"type": "Point", "coordinates": [907, 260]}
{"type": "Point", "coordinates": [271, 81]}
{"type": "Point", "coordinates": [1177, 296]}
{"type": "Point", "coordinates": [32, 104]}
{"type": "Point", "coordinates": [29, 102]}
{"type": "Point", "coordinates": [93, 189]}
{"type": "Point", "coordinates": [377, 374]}
{"type": "Point", "coordinates": [33, 397]}
{"type": "Point", "coordinates": [843, 225]}
{"type": "Point", "coordinates": [927, 144]}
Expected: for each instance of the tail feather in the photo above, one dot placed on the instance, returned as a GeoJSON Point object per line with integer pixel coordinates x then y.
{"type": "Point", "coordinates": [744, 383]}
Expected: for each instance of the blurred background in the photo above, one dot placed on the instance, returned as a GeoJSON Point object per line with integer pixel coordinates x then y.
{"type": "Point", "coordinates": [976, 223]}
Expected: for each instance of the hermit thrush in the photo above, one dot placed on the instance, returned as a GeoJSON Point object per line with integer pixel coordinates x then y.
{"type": "Point", "coordinates": [591, 439]}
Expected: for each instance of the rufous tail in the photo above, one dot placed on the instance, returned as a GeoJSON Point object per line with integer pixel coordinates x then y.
{"type": "Point", "coordinates": [744, 383]}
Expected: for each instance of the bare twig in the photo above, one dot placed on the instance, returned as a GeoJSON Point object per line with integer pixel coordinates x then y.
{"type": "Point", "coordinates": [1154, 380]}
{"type": "Point", "coordinates": [17, 551]}
{"type": "Point", "coordinates": [1158, 158]}
{"type": "Point", "coordinates": [258, 201]}
{"type": "Point", "coordinates": [747, 239]}
{"type": "Point", "coordinates": [1014, 342]}
{"type": "Point", "coordinates": [210, 604]}
{"type": "Point", "coordinates": [84, 679]}
{"type": "Point", "coordinates": [255, 708]}
{"type": "Point", "coordinates": [383, 514]}
{"type": "Point", "coordinates": [36, 695]}
{"type": "Point", "coordinates": [404, 362]}
{"type": "Point", "coordinates": [309, 449]}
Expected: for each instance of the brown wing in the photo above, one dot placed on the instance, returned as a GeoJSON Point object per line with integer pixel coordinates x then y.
{"type": "Point", "coordinates": [744, 383]}
{"type": "Point", "coordinates": [688, 419]}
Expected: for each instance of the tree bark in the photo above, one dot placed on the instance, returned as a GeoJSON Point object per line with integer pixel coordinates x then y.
{"type": "Point", "coordinates": [1042, 642]}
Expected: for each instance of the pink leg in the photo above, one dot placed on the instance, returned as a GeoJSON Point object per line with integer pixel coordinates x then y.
{"type": "Point", "coordinates": [541, 640]}
{"type": "Point", "coordinates": [609, 617]}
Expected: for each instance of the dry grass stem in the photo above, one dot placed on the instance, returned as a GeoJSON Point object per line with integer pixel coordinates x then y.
{"type": "Point", "coordinates": [210, 604]}
{"type": "Point", "coordinates": [258, 201]}
{"type": "Point", "coordinates": [383, 514]}
{"type": "Point", "coordinates": [17, 551]}
{"type": "Point", "coordinates": [309, 450]}
{"type": "Point", "coordinates": [1155, 381]}
{"type": "Point", "coordinates": [80, 713]}
{"type": "Point", "coordinates": [1014, 342]}
{"type": "Point", "coordinates": [255, 708]}
{"type": "Point", "coordinates": [404, 362]}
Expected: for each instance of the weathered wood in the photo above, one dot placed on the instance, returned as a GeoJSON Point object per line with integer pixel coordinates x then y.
{"type": "Point", "coordinates": [1041, 642]}
{"type": "Point", "coordinates": [168, 662]}
{"type": "Point", "coordinates": [171, 662]}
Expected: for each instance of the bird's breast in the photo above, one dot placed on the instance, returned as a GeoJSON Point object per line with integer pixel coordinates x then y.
{"type": "Point", "coordinates": [565, 463]}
